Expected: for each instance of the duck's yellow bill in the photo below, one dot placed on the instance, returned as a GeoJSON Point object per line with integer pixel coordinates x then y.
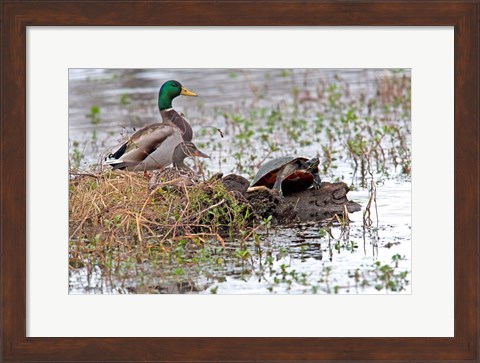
{"type": "Point", "coordinates": [186, 92]}
{"type": "Point", "coordinates": [200, 154]}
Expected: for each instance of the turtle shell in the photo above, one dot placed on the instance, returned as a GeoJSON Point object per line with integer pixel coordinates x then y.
{"type": "Point", "coordinates": [297, 181]}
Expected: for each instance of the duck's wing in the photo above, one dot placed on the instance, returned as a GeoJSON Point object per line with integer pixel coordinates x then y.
{"type": "Point", "coordinates": [171, 116]}
{"type": "Point", "coordinates": [140, 145]}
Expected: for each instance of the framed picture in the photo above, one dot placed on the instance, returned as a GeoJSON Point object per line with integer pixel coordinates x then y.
{"type": "Point", "coordinates": [389, 78]}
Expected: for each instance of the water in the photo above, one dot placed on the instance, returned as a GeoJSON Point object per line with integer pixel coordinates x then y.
{"type": "Point", "coordinates": [303, 259]}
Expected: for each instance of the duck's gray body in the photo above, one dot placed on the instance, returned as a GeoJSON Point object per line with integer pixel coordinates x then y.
{"type": "Point", "coordinates": [149, 148]}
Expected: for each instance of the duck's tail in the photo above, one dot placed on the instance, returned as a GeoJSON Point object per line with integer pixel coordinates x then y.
{"type": "Point", "coordinates": [114, 159]}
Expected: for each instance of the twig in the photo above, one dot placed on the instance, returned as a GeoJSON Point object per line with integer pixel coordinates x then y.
{"type": "Point", "coordinates": [206, 209]}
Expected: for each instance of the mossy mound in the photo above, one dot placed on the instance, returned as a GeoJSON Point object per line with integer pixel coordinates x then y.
{"type": "Point", "coordinates": [118, 206]}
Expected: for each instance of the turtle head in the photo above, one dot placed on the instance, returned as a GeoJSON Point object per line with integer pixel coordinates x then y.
{"type": "Point", "coordinates": [169, 91]}
{"type": "Point", "coordinates": [311, 165]}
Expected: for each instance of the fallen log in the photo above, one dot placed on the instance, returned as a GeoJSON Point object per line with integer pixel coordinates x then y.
{"type": "Point", "coordinates": [306, 206]}
{"type": "Point", "coordinates": [322, 203]}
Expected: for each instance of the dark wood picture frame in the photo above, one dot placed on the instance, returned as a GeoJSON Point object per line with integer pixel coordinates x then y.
{"type": "Point", "coordinates": [18, 15]}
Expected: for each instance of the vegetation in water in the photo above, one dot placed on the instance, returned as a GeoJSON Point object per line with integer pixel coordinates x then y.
{"type": "Point", "coordinates": [184, 237]}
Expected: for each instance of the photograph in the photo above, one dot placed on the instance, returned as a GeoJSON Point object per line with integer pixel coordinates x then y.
{"type": "Point", "coordinates": [239, 181]}
{"type": "Point", "coordinates": [310, 166]}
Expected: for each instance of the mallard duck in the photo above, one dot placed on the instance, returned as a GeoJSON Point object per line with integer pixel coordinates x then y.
{"type": "Point", "coordinates": [153, 146]}
{"type": "Point", "coordinates": [167, 93]}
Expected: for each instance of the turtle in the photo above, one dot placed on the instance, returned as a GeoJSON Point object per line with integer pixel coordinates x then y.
{"type": "Point", "coordinates": [288, 174]}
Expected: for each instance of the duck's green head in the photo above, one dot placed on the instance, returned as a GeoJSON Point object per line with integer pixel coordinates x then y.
{"type": "Point", "coordinates": [169, 91]}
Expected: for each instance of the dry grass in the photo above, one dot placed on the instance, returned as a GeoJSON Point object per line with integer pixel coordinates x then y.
{"type": "Point", "coordinates": [117, 211]}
